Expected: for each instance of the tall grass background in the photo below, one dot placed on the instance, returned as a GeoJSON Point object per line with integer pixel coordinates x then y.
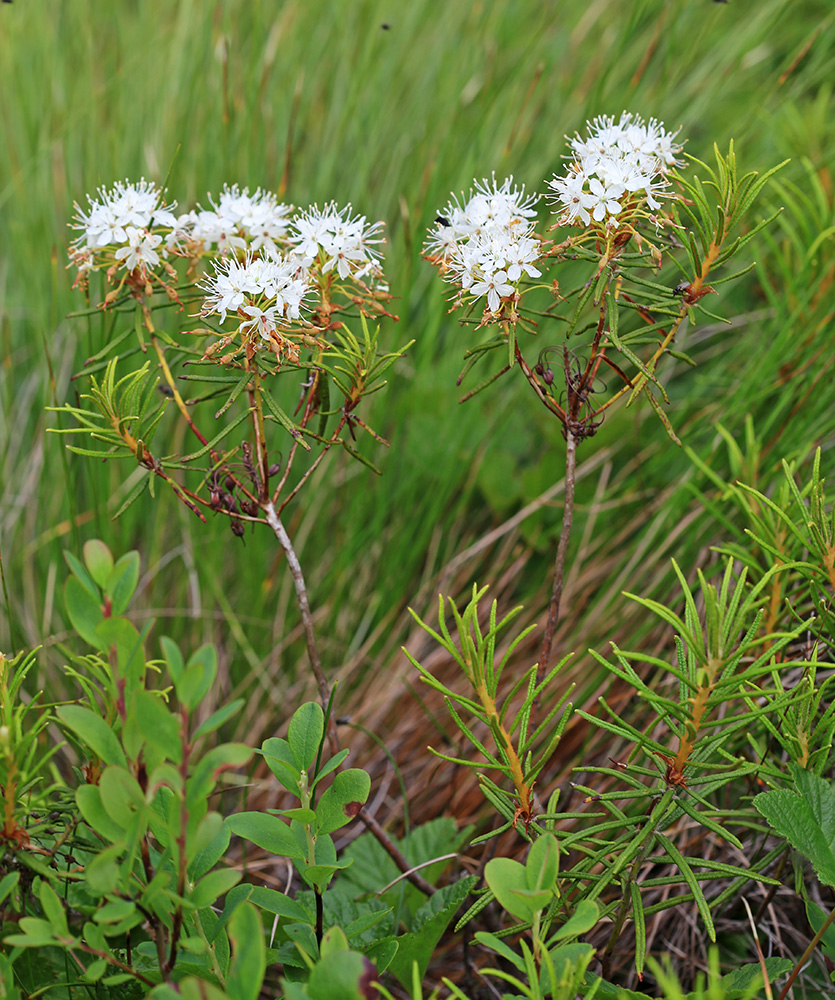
{"type": "Point", "coordinates": [392, 105]}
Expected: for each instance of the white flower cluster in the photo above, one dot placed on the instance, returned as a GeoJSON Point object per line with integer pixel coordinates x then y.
{"type": "Point", "coordinates": [617, 165]}
{"type": "Point", "coordinates": [266, 258]}
{"type": "Point", "coordinates": [487, 244]}
{"type": "Point", "coordinates": [266, 287]}
{"type": "Point", "coordinates": [332, 238]}
{"type": "Point", "coordinates": [122, 223]}
{"type": "Point", "coordinates": [239, 221]}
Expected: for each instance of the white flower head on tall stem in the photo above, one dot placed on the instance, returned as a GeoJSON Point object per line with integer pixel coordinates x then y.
{"type": "Point", "coordinates": [618, 169]}
{"type": "Point", "coordinates": [123, 225]}
{"type": "Point", "coordinates": [485, 244]}
{"type": "Point", "coordinates": [140, 251]}
{"type": "Point", "coordinates": [491, 210]}
{"type": "Point", "coordinates": [331, 239]}
{"type": "Point", "coordinates": [240, 221]}
{"type": "Point", "coordinates": [267, 292]}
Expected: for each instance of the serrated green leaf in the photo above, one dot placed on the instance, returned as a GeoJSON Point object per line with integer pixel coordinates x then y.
{"type": "Point", "coordinates": [428, 925]}
{"type": "Point", "coordinates": [806, 818]}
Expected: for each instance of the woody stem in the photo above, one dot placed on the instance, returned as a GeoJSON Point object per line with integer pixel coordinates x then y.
{"type": "Point", "coordinates": [307, 618]}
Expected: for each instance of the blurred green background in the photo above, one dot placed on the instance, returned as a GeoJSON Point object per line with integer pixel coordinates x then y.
{"type": "Point", "coordinates": [393, 105]}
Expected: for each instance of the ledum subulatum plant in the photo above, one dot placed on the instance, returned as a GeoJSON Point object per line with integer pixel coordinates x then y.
{"type": "Point", "coordinates": [591, 308]}
{"type": "Point", "coordinates": [256, 323]}
{"type": "Point", "coordinates": [589, 313]}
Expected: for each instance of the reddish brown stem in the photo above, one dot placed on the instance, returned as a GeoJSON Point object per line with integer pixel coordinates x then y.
{"type": "Point", "coordinates": [562, 549]}
{"type": "Point", "coordinates": [306, 415]}
{"type": "Point", "coordinates": [804, 958]}
{"type": "Point", "coordinates": [541, 393]}
{"type": "Point", "coordinates": [590, 372]}
{"type": "Point", "coordinates": [396, 855]}
{"type": "Point", "coordinates": [112, 960]}
{"type": "Point", "coordinates": [313, 467]}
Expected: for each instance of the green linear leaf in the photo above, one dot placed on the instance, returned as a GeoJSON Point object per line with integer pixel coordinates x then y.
{"type": "Point", "coordinates": [681, 863]}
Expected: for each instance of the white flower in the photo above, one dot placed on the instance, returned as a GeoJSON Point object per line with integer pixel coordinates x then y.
{"type": "Point", "coordinates": [602, 199]}
{"type": "Point", "coordinates": [127, 205]}
{"type": "Point", "coordinates": [228, 289]}
{"type": "Point", "coordinates": [520, 258]}
{"type": "Point", "coordinates": [466, 265]}
{"type": "Point", "coordinates": [141, 249]}
{"type": "Point", "coordinates": [492, 209]}
{"type": "Point", "coordinates": [266, 289]}
{"type": "Point", "coordinates": [210, 229]}
{"type": "Point", "coordinates": [617, 165]}
{"type": "Point", "coordinates": [340, 242]}
{"type": "Point", "coordinates": [486, 245]}
{"type": "Point", "coordinates": [495, 286]}
{"type": "Point", "coordinates": [264, 320]}
{"type": "Point", "coordinates": [569, 192]}
{"type": "Point", "coordinates": [240, 220]}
